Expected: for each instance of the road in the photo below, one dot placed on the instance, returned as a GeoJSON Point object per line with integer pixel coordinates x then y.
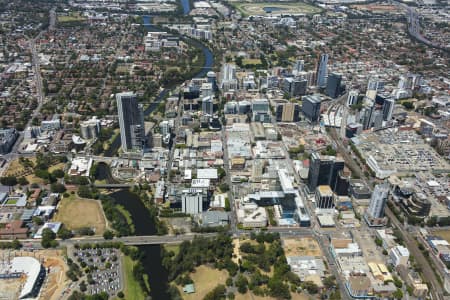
{"type": "Point", "coordinates": [40, 97]}
{"type": "Point", "coordinates": [413, 23]}
{"type": "Point", "coordinates": [231, 197]}
{"type": "Point", "coordinates": [429, 275]}
{"type": "Point", "coordinates": [436, 290]}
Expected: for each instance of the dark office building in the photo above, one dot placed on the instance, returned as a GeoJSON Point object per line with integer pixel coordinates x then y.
{"type": "Point", "coordinates": [311, 107]}
{"type": "Point", "coordinates": [342, 183]}
{"type": "Point", "coordinates": [334, 87]}
{"type": "Point", "coordinates": [191, 92]}
{"type": "Point", "coordinates": [131, 122]}
{"type": "Point", "coordinates": [288, 112]}
{"type": "Point", "coordinates": [323, 170]}
{"type": "Point", "coordinates": [295, 86]}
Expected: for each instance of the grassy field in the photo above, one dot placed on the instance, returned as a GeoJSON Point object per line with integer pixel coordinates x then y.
{"type": "Point", "coordinates": [251, 61]}
{"type": "Point", "coordinates": [249, 8]}
{"type": "Point", "coordinates": [15, 168]}
{"type": "Point", "coordinates": [132, 288]}
{"type": "Point", "coordinates": [71, 18]}
{"type": "Point", "coordinates": [445, 234]}
{"type": "Point", "coordinates": [59, 166]}
{"type": "Point", "coordinates": [205, 280]}
{"type": "Point", "coordinates": [250, 296]}
{"type": "Point", "coordinates": [75, 213]}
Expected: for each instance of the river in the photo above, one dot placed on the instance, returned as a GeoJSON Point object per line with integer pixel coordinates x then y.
{"type": "Point", "coordinates": [144, 225]}
{"type": "Point", "coordinates": [186, 7]}
{"type": "Point", "coordinates": [209, 63]}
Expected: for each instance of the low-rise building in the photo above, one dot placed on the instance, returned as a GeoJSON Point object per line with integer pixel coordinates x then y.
{"type": "Point", "coordinates": [359, 287]}
{"type": "Point", "coordinates": [252, 216]}
{"type": "Point", "coordinates": [213, 218]}
{"type": "Point", "coordinates": [399, 255]}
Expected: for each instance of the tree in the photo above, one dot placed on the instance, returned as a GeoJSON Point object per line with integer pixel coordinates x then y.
{"type": "Point", "coordinates": [120, 295]}
{"type": "Point", "coordinates": [221, 173]}
{"type": "Point", "coordinates": [83, 286]}
{"type": "Point", "coordinates": [22, 181]}
{"type": "Point", "coordinates": [398, 294]}
{"type": "Point", "coordinates": [408, 105]}
{"type": "Point", "coordinates": [37, 220]}
{"type": "Point", "coordinates": [311, 287]}
{"type": "Point", "coordinates": [58, 188]}
{"type": "Point", "coordinates": [224, 187]}
{"type": "Point", "coordinates": [64, 233]}
{"type": "Point", "coordinates": [241, 283]}
{"type": "Point", "coordinates": [108, 235]}
{"type": "Point", "coordinates": [58, 173]}
{"type": "Point", "coordinates": [8, 180]}
{"type": "Point", "coordinates": [217, 293]}
{"type": "Point", "coordinates": [229, 281]}
{"type": "Point", "coordinates": [329, 282]}
{"type": "Point", "coordinates": [48, 238]}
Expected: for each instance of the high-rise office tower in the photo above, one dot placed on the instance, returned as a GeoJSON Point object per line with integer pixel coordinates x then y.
{"type": "Point", "coordinates": [228, 78]}
{"type": "Point", "coordinates": [207, 106]}
{"type": "Point", "coordinates": [322, 70]}
{"type": "Point", "coordinates": [323, 170]}
{"type": "Point", "coordinates": [212, 78]}
{"type": "Point", "coordinates": [310, 77]}
{"type": "Point", "coordinates": [311, 107]}
{"type": "Point", "coordinates": [334, 85]}
{"type": "Point", "coordinates": [352, 98]}
{"type": "Point", "coordinates": [378, 201]}
{"type": "Point", "coordinates": [288, 112]}
{"type": "Point", "coordinates": [131, 122]}
{"type": "Point", "coordinates": [375, 84]}
{"type": "Point", "coordinates": [388, 108]}
{"type": "Point", "coordinates": [295, 86]}
{"type": "Point", "coordinates": [344, 120]}
{"type": "Point", "coordinates": [324, 197]}
{"type": "Point", "coordinates": [298, 67]}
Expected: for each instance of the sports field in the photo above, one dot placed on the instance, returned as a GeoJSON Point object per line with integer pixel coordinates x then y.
{"type": "Point", "coordinates": [267, 8]}
{"type": "Point", "coordinates": [71, 18]}
{"type": "Point", "coordinates": [76, 213]}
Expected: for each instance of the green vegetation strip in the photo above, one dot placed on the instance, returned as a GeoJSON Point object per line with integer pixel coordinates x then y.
{"type": "Point", "coordinates": [133, 289]}
{"type": "Point", "coordinates": [127, 216]}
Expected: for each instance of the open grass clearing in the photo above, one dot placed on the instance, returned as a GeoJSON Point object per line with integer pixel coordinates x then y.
{"type": "Point", "coordinates": [76, 213]}
{"type": "Point", "coordinates": [71, 18]}
{"type": "Point", "coordinates": [250, 296]}
{"type": "Point", "coordinates": [205, 280]}
{"type": "Point", "coordinates": [132, 289]}
{"type": "Point", "coordinates": [293, 8]}
{"type": "Point", "coordinates": [59, 166]}
{"type": "Point", "coordinates": [307, 246]}
{"type": "Point", "coordinates": [251, 61]}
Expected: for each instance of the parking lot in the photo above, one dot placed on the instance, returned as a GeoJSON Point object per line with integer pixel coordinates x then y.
{"type": "Point", "coordinates": [105, 270]}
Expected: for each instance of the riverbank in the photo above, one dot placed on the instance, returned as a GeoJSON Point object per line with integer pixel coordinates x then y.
{"type": "Point", "coordinates": [150, 255]}
{"type": "Point", "coordinates": [132, 288]}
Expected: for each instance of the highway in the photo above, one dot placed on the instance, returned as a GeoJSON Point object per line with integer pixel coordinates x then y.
{"type": "Point", "coordinates": [414, 29]}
